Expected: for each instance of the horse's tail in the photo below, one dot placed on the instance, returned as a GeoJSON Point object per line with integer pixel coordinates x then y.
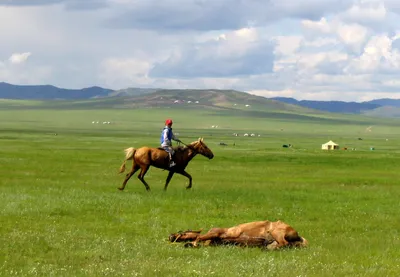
{"type": "Point", "coordinates": [129, 153]}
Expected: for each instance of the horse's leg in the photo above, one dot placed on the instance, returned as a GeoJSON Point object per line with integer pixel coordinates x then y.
{"type": "Point", "coordinates": [184, 173]}
{"type": "Point", "coordinates": [135, 168]}
{"type": "Point", "coordinates": [211, 235]}
{"type": "Point", "coordinates": [143, 172]}
{"type": "Point", "coordinates": [170, 174]}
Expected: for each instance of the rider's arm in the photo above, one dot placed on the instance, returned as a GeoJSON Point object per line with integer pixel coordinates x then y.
{"type": "Point", "coordinates": [175, 138]}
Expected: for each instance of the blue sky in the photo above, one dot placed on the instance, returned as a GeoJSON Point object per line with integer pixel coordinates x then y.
{"type": "Point", "coordinates": [311, 49]}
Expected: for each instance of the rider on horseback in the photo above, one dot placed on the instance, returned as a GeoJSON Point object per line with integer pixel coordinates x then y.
{"type": "Point", "coordinates": [166, 136]}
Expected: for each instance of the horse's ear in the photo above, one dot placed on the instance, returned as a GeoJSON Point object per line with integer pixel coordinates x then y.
{"type": "Point", "coordinates": [201, 139]}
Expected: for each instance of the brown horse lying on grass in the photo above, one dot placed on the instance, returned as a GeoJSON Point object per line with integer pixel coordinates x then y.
{"type": "Point", "coordinates": [265, 234]}
{"type": "Point", "coordinates": [144, 157]}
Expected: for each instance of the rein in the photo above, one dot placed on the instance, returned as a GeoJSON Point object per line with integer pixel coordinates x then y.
{"type": "Point", "coordinates": [188, 146]}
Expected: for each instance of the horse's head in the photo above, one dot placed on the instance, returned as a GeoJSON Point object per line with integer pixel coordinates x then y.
{"type": "Point", "coordinates": [200, 147]}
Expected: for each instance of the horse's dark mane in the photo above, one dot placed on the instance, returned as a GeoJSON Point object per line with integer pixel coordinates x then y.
{"type": "Point", "coordinates": [179, 148]}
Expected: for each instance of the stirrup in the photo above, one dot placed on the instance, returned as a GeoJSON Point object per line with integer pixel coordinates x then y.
{"type": "Point", "coordinates": [171, 164]}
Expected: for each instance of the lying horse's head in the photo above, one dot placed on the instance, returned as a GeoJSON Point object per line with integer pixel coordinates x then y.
{"type": "Point", "coordinates": [200, 147]}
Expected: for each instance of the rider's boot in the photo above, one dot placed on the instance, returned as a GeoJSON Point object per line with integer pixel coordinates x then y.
{"type": "Point", "coordinates": [171, 162]}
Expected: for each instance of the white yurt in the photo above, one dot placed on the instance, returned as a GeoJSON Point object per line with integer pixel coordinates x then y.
{"type": "Point", "coordinates": [330, 145]}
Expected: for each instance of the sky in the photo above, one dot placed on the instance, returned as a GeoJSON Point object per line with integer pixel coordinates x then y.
{"type": "Point", "coordinates": [345, 50]}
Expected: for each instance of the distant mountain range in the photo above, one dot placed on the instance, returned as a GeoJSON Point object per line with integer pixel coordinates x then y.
{"type": "Point", "coordinates": [379, 107]}
{"type": "Point", "coordinates": [48, 92]}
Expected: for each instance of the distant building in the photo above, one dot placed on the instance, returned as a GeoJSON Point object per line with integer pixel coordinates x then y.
{"type": "Point", "coordinates": [330, 145]}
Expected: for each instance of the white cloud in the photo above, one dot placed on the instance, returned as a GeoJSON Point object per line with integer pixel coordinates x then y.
{"type": "Point", "coordinates": [366, 11]}
{"type": "Point", "coordinates": [25, 75]}
{"type": "Point", "coordinates": [287, 45]}
{"type": "Point", "coordinates": [234, 53]}
{"type": "Point", "coordinates": [274, 93]}
{"type": "Point", "coordinates": [312, 61]}
{"type": "Point", "coordinates": [353, 35]}
{"type": "Point", "coordinates": [117, 72]}
{"type": "Point", "coordinates": [322, 25]}
{"type": "Point", "coordinates": [206, 15]}
{"type": "Point", "coordinates": [17, 70]}
{"type": "Point", "coordinates": [69, 4]}
{"type": "Point", "coordinates": [322, 49]}
{"type": "Point", "coordinates": [19, 58]}
{"type": "Point", "coordinates": [378, 56]}
{"type": "Point", "coordinates": [319, 42]}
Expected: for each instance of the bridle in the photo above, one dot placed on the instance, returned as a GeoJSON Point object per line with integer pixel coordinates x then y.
{"type": "Point", "coordinates": [189, 146]}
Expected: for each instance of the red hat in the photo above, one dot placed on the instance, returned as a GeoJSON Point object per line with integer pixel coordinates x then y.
{"type": "Point", "coordinates": [168, 122]}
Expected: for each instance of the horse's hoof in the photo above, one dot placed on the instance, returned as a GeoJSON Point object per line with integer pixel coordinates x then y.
{"type": "Point", "coordinates": [121, 189]}
{"type": "Point", "coordinates": [189, 244]}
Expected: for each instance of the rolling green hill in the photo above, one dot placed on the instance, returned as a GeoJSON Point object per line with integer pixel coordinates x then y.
{"type": "Point", "coordinates": [135, 97]}
{"type": "Point", "coordinates": [211, 99]}
{"type": "Point", "coordinates": [221, 99]}
{"type": "Point", "coordinates": [385, 111]}
{"type": "Point", "coordinates": [224, 101]}
{"type": "Point", "coordinates": [129, 92]}
{"type": "Point", "coordinates": [228, 105]}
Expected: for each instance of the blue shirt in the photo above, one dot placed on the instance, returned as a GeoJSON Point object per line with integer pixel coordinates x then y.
{"type": "Point", "coordinates": [166, 136]}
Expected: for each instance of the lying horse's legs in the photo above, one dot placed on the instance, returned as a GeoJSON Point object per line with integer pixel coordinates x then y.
{"type": "Point", "coordinates": [184, 173]}
{"type": "Point", "coordinates": [143, 172]}
{"type": "Point", "coordinates": [170, 174]}
{"type": "Point", "coordinates": [214, 233]}
{"type": "Point", "coordinates": [188, 235]}
{"type": "Point", "coordinates": [135, 168]}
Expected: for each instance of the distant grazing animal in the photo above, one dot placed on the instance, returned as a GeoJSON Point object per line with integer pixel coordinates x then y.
{"type": "Point", "coordinates": [266, 234]}
{"type": "Point", "coordinates": [144, 157]}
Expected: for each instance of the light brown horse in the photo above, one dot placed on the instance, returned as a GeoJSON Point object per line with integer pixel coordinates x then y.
{"type": "Point", "coordinates": [144, 157]}
{"type": "Point", "coordinates": [266, 234]}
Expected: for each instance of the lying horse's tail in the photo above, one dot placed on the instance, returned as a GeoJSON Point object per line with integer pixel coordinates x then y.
{"type": "Point", "coordinates": [129, 153]}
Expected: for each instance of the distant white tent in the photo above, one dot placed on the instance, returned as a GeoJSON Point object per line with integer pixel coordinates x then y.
{"type": "Point", "coordinates": [330, 145]}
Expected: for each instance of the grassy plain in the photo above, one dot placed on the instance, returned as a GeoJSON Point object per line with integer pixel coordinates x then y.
{"type": "Point", "coordinates": [62, 215]}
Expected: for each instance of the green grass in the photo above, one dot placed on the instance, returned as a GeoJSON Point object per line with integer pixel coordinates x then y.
{"type": "Point", "coordinates": [62, 215]}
